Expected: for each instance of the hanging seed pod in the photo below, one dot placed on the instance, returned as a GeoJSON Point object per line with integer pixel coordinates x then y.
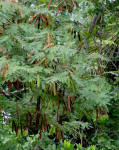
{"type": "Point", "coordinates": [44, 19]}
{"type": "Point", "coordinates": [1, 30]}
{"type": "Point", "coordinates": [30, 55]}
{"type": "Point", "coordinates": [39, 23]}
{"type": "Point", "coordinates": [17, 112]}
{"type": "Point", "coordinates": [73, 98]}
{"type": "Point", "coordinates": [37, 119]}
{"type": "Point", "coordinates": [31, 99]}
{"type": "Point", "coordinates": [45, 119]}
{"type": "Point", "coordinates": [36, 21]}
{"type": "Point", "coordinates": [60, 120]}
{"type": "Point", "coordinates": [38, 104]}
{"type": "Point", "coordinates": [34, 116]}
{"type": "Point", "coordinates": [54, 89]}
{"type": "Point", "coordinates": [62, 136]}
{"type": "Point", "coordinates": [9, 84]}
{"type": "Point", "coordinates": [58, 8]}
{"type": "Point", "coordinates": [91, 112]}
{"type": "Point", "coordinates": [105, 112]}
{"type": "Point", "coordinates": [18, 85]}
{"type": "Point", "coordinates": [21, 128]}
{"type": "Point", "coordinates": [64, 108]}
{"type": "Point", "coordinates": [7, 54]}
{"type": "Point", "coordinates": [79, 37]}
{"type": "Point", "coordinates": [44, 123]}
{"type": "Point", "coordinates": [45, 63]}
{"type": "Point", "coordinates": [99, 112]}
{"type": "Point", "coordinates": [58, 134]}
{"type": "Point", "coordinates": [96, 114]}
{"type": "Point", "coordinates": [69, 104]}
{"type": "Point", "coordinates": [59, 102]}
{"type": "Point", "coordinates": [30, 119]}
{"type": "Point", "coordinates": [100, 70]}
{"type": "Point", "coordinates": [43, 126]}
{"type": "Point", "coordinates": [40, 133]}
{"type": "Point", "coordinates": [38, 62]}
{"type": "Point", "coordinates": [48, 21]}
{"type": "Point", "coordinates": [3, 71]}
{"type": "Point", "coordinates": [13, 125]}
{"type": "Point", "coordinates": [27, 120]}
{"type": "Point", "coordinates": [21, 13]}
{"type": "Point", "coordinates": [48, 127]}
{"type": "Point", "coordinates": [16, 130]}
{"type": "Point", "coordinates": [32, 17]}
{"type": "Point", "coordinates": [18, 21]}
{"type": "Point", "coordinates": [57, 115]}
{"type": "Point", "coordinates": [47, 87]}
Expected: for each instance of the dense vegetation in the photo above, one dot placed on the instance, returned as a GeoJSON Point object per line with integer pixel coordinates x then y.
{"type": "Point", "coordinates": [59, 75]}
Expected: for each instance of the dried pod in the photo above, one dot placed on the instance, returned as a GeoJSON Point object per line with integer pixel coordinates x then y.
{"type": "Point", "coordinates": [31, 99]}
{"type": "Point", "coordinates": [13, 125]}
{"type": "Point", "coordinates": [54, 89]}
{"type": "Point", "coordinates": [37, 118]}
{"type": "Point", "coordinates": [38, 104]}
{"type": "Point", "coordinates": [69, 104]}
{"type": "Point", "coordinates": [16, 130]}
{"type": "Point", "coordinates": [21, 128]}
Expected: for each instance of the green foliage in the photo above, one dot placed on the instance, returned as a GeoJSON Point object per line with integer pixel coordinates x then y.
{"type": "Point", "coordinates": [57, 59]}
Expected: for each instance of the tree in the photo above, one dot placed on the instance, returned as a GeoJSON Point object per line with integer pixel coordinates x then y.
{"type": "Point", "coordinates": [53, 57]}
